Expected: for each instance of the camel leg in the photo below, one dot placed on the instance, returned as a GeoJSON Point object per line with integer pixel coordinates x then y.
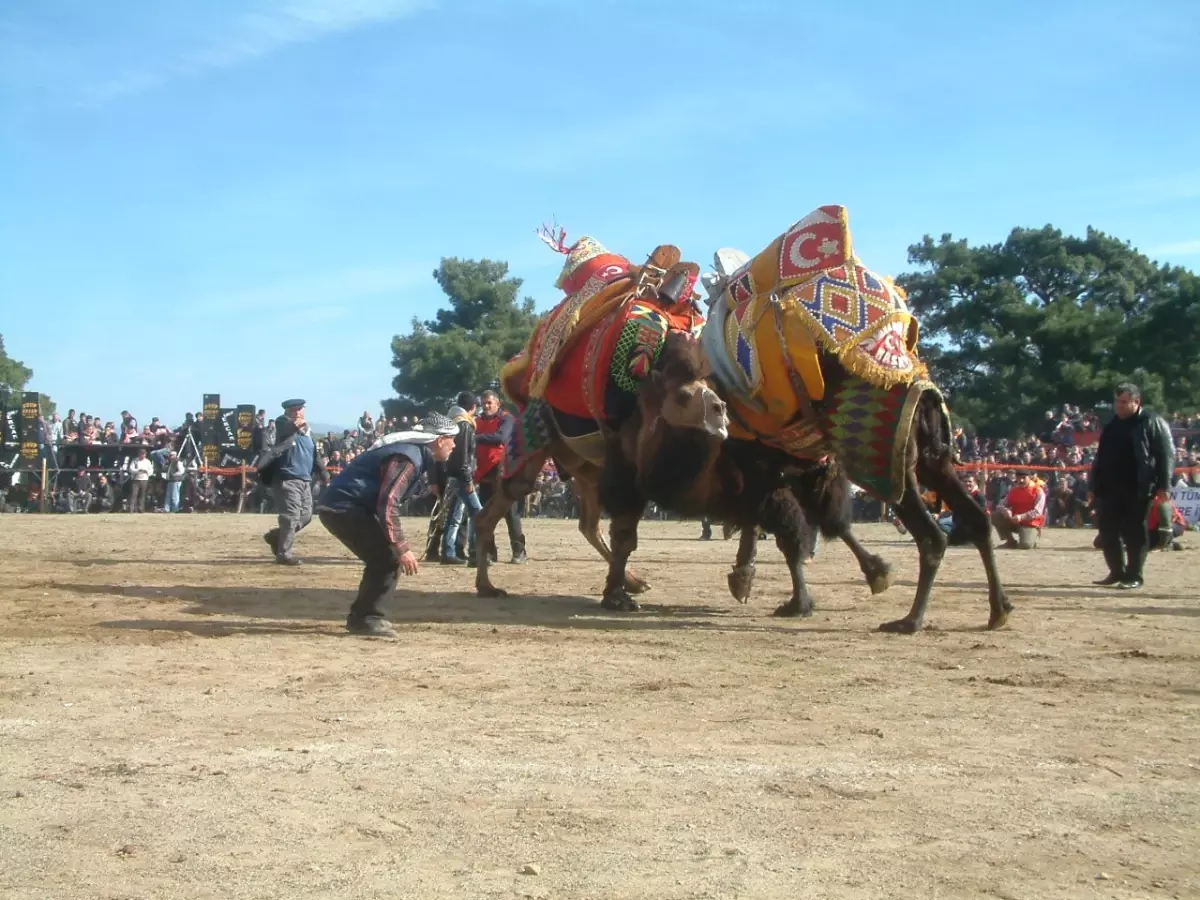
{"type": "Point", "coordinates": [587, 489]}
{"type": "Point", "coordinates": [508, 491]}
{"type": "Point", "coordinates": [623, 533]}
{"type": "Point", "coordinates": [827, 501]}
{"type": "Point", "coordinates": [942, 478]}
{"type": "Point", "coordinates": [783, 517]}
{"type": "Point", "coordinates": [931, 544]}
{"type": "Point", "coordinates": [878, 571]}
{"type": "Point", "coordinates": [741, 579]}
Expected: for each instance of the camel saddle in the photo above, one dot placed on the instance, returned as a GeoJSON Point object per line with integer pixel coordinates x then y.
{"type": "Point", "coordinates": [603, 284]}
{"type": "Point", "coordinates": [581, 367]}
{"type": "Point", "coordinates": [804, 299]}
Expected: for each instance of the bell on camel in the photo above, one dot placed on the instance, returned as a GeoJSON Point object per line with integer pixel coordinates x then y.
{"type": "Point", "coordinates": [673, 290]}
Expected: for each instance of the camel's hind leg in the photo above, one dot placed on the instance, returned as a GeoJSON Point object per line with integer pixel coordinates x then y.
{"type": "Point", "coordinates": [509, 490]}
{"type": "Point", "coordinates": [825, 496]}
{"type": "Point", "coordinates": [941, 477]}
{"type": "Point", "coordinates": [587, 487]}
{"type": "Point", "coordinates": [931, 544]}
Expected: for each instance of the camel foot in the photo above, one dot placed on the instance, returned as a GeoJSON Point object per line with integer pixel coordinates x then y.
{"type": "Point", "coordinates": [619, 601]}
{"type": "Point", "coordinates": [999, 615]}
{"type": "Point", "coordinates": [741, 580]}
{"type": "Point", "coordinates": [880, 576]}
{"type": "Point", "coordinates": [490, 590]}
{"type": "Point", "coordinates": [795, 609]}
{"type": "Point", "coordinates": [901, 626]}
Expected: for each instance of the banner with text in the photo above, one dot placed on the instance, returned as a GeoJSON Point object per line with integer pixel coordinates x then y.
{"type": "Point", "coordinates": [1187, 501]}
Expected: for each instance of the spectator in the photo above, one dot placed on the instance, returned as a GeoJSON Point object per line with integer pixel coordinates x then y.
{"type": "Point", "coordinates": [175, 473]}
{"type": "Point", "coordinates": [1021, 514]}
{"type": "Point", "coordinates": [140, 470]}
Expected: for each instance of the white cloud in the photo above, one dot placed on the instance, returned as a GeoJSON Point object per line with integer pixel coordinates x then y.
{"type": "Point", "coordinates": [276, 26]}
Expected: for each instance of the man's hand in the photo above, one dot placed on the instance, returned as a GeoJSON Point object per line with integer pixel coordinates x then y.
{"type": "Point", "coordinates": [409, 563]}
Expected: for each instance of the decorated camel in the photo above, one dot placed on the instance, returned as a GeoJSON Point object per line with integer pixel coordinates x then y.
{"type": "Point", "coordinates": [816, 358]}
{"type": "Point", "coordinates": [610, 386]}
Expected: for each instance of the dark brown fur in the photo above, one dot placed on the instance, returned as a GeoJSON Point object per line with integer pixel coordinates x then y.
{"type": "Point", "coordinates": [633, 460]}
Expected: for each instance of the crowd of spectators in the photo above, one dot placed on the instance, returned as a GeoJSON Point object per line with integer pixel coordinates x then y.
{"type": "Point", "coordinates": [1059, 456]}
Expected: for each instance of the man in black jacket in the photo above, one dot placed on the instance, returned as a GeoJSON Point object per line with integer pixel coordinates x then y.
{"type": "Point", "coordinates": [1134, 463]}
{"type": "Point", "coordinates": [460, 492]}
{"type": "Point", "coordinates": [362, 508]}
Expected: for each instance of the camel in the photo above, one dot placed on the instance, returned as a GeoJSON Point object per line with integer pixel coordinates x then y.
{"type": "Point", "coordinates": [815, 357]}
{"type": "Point", "coordinates": [611, 386]}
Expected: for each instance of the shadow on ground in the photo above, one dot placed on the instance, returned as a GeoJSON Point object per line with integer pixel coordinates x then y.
{"type": "Point", "coordinates": [286, 609]}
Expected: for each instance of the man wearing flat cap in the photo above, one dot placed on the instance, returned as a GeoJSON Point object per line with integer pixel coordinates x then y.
{"type": "Point", "coordinates": [362, 508]}
{"type": "Point", "coordinates": [288, 468]}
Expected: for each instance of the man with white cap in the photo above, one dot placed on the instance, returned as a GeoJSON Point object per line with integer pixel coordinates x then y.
{"type": "Point", "coordinates": [362, 508]}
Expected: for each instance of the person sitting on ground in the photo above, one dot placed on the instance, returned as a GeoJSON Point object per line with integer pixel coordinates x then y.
{"type": "Point", "coordinates": [1019, 517]}
{"type": "Point", "coordinates": [1163, 535]}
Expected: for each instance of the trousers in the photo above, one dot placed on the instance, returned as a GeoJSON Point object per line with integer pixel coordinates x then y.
{"type": "Point", "coordinates": [1122, 520]}
{"type": "Point", "coordinates": [512, 516]}
{"type": "Point", "coordinates": [461, 502]}
{"type": "Point", "coordinates": [293, 501]}
{"type": "Point", "coordinates": [363, 536]}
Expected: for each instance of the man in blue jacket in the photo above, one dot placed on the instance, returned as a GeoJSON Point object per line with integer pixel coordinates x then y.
{"type": "Point", "coordinates": [288, 468]}
{"type": "Point", "coordinates": [362, 506]}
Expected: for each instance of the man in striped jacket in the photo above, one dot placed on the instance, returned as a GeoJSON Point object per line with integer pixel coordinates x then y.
{"type": "Point", "coordinates": [362, 508]}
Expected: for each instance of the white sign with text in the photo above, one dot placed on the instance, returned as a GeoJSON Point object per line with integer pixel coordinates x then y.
{"type": "Point", "coordinates": [1187, 501]}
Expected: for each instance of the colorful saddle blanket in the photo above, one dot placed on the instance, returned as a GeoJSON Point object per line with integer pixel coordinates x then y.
{"type": "Point", "coordinates": [585, 360]}
{"type": "Point", "coordinates": [806, 298]}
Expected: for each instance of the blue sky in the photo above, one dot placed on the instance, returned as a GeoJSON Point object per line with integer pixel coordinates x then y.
{"type": "Point", "coordinates": [250, 197]}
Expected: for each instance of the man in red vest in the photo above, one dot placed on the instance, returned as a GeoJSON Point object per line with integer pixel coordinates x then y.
{"type": "Point", "coordinates": [1019, 517]}
{"type": "Point", "coordinates": [493, 441]}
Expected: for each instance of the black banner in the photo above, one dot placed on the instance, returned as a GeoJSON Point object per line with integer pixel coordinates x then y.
{"type": "Point", "coordinates": [245, 427]}
{"type": "Point", "coordinates": [31, 408]}
{"type": "Point", "coordinates": [211, 431]}
{"type": "Point", "coordinates": [10, 436]}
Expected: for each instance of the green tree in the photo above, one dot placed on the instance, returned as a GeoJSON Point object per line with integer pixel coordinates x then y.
{"type": "Point", "coordinates": [1010, 330]}
{"type": "Point", "coordinates": [466, 343]}
{"type": "Point", "coordinates": [14, 376]}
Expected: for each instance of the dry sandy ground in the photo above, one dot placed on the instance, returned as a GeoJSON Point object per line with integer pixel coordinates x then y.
{"type": "Point", "coordinates": [180, 718]}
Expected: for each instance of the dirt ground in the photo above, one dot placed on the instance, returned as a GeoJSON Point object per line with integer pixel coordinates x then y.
{"type": "Point", "coordinates": [179, 717]}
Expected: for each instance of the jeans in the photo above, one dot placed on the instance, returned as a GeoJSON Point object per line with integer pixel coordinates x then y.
{"type": "Point", "coordinates": [172, 500]}
{"type": "Point", "coordinates": [464, 501]}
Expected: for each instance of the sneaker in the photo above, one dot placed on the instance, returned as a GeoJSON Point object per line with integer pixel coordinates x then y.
{"type": "Point", "coordinates": [452, 561]}
{"type": "Point", "coordinates": [1131, 585]}
{"type": "Point", "coordinates": [519, 559]}
{"type": "Point", "coordinates": [1109, 580]}
{"type": "Point", "coordinates": [288, 561]}
{"type": "Point", "coordinates": [371, 626]}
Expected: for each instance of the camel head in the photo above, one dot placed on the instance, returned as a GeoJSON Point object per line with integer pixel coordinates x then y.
{"type": "Point", "coordinates": [683, 425]}
{"type": "Point", "coordinates": [679, 395]}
